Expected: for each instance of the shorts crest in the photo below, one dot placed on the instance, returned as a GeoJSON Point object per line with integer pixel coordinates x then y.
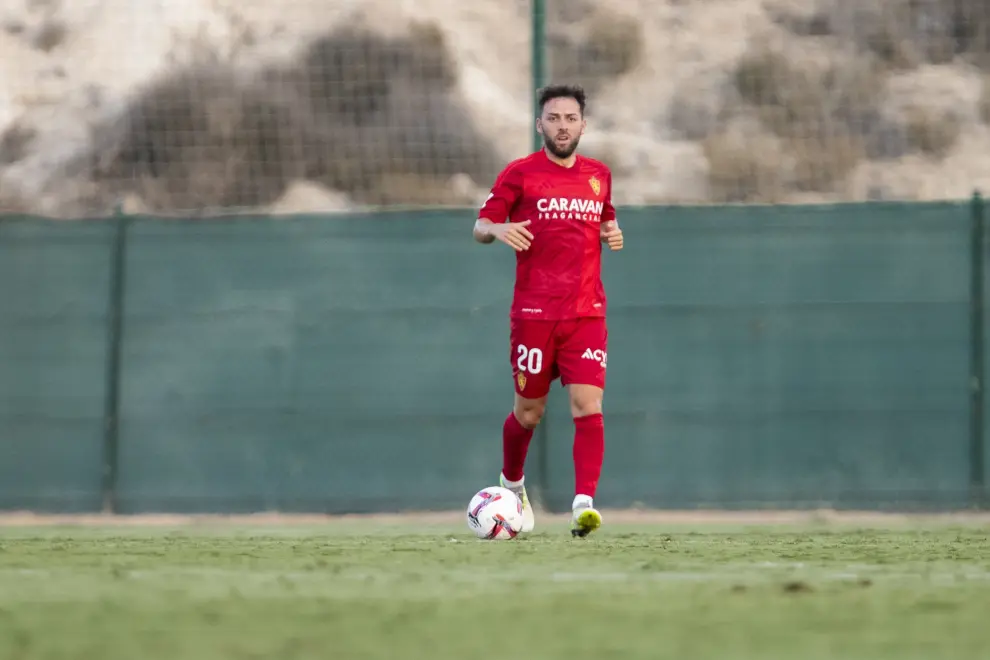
{"type": "Point", "coordinates": [521, 379]}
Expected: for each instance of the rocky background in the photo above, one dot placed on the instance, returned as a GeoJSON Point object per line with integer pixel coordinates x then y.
{"type": "Point", "coordinates": [197, 106]}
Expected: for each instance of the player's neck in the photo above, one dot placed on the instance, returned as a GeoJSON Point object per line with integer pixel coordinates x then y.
{"type": "Point", "coordinates": [563, 162]}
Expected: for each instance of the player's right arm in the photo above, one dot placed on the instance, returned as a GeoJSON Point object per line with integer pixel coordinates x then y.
{"type": "Point", "coordinates": [491, 226]}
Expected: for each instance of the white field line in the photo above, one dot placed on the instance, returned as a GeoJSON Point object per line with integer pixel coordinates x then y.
{"type": "Point", "coordinates": [729, 573]}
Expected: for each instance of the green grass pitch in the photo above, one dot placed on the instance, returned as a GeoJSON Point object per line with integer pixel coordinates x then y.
{"type": "Point", "coordinates": [424, 588]}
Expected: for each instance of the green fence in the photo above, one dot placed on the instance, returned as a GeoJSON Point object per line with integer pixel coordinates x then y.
{"type": "Point", "coordinates": [759, 357]}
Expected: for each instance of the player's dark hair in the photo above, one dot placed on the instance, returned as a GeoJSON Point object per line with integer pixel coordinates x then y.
{"type": "Point", "coordinates": [551, 92]}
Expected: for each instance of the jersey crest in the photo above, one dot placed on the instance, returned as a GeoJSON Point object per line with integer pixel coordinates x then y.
{"type": "Point", "coordinates": [595, 185]}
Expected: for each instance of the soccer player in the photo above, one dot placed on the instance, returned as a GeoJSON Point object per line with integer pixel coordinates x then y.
{"type": "Point", "coordinates": [554, 208]}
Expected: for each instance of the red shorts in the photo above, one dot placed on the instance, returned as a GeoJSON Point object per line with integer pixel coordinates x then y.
{"type": "Point", "coordinates": [574, 350]}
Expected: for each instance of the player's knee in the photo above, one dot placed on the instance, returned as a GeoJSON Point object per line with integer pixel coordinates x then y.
{"type": "Point", "coordinates": [586, 403]}
{"type": "Point", "coordinates": [529, 414]}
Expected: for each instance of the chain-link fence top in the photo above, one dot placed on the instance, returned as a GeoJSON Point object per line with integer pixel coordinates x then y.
{"type": "Point", "coordinates": [208, 105]}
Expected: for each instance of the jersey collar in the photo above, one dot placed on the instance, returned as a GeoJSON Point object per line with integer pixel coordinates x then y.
{"type": "Point", "coordinates": [558, 166]}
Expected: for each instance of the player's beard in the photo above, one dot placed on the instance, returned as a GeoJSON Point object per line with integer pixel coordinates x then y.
{"type": "Point", "coordinates": [557, 150]}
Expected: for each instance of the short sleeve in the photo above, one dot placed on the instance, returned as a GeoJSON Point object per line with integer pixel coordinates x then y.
{"type": "Point", "coordinates": [503, 196]}
{"type": "Point", "coordinates": [608, 210]}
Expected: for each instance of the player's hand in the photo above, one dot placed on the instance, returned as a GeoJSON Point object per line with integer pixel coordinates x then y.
{"type": "Point", "coordinates": [514, 234]}
{"type": "Point", "coordinates": [612, 235]}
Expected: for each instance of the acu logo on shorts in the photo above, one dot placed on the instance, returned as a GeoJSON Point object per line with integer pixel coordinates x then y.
{"type": "Point", "coordinates": [598, 355]}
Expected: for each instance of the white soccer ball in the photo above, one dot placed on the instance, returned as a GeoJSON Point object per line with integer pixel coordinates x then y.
{"type": "Point", "coordinates": [495, 514]}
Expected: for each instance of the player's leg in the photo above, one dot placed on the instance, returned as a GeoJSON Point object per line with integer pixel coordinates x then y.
{"type": "Point", "coordinates": [589, 454]}
{"type": "Point", "coordinates": [532, 373]}
{"type": "Point", "coordinates": [517, 431]}
{"type": "Point", "coordinates": [583, 357]}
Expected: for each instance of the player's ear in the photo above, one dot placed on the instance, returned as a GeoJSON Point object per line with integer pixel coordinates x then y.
{"type": "Point", "coordinates": [584, 125]}
{"type": "Point", "coordinates": [539, 126]}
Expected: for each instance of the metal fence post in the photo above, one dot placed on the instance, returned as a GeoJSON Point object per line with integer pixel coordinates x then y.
{"type": "Point", "coordinates": [538, 61]}
{"type": "Point", "coordinates": [538, 67]}
{"type": "Point", "coordinates": [111, 415]}
{"type": "Point", "coordinates": [976, 363]}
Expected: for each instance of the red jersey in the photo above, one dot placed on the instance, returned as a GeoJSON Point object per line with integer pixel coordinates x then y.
{"type": "Point", "coordinates": [559, 276]}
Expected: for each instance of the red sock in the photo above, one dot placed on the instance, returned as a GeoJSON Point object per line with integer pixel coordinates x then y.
{"type": "Point", "coordinates": [515, 445]}
{"type": "Point", "coordinates": [589, 452]}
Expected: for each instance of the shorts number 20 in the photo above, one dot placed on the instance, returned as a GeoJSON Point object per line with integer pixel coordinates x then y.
{"type": "Point", "coordinates": [530, 359]}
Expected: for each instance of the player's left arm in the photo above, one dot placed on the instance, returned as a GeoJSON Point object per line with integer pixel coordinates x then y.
{"type": "Point", "coordinates": [610, 232]}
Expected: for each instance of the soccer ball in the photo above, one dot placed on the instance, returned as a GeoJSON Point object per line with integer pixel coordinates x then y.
{"type": "Point", "coordinates": [495, 514]}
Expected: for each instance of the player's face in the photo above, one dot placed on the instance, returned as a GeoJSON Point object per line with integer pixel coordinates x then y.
{"type": "Point", "coordinates": [561, 125]}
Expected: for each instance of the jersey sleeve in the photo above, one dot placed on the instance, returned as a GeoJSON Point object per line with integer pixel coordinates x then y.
{"type": "Point", "coordinates": [503, 196]}
{"type": "Point", "coordinates": [608, 210]}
